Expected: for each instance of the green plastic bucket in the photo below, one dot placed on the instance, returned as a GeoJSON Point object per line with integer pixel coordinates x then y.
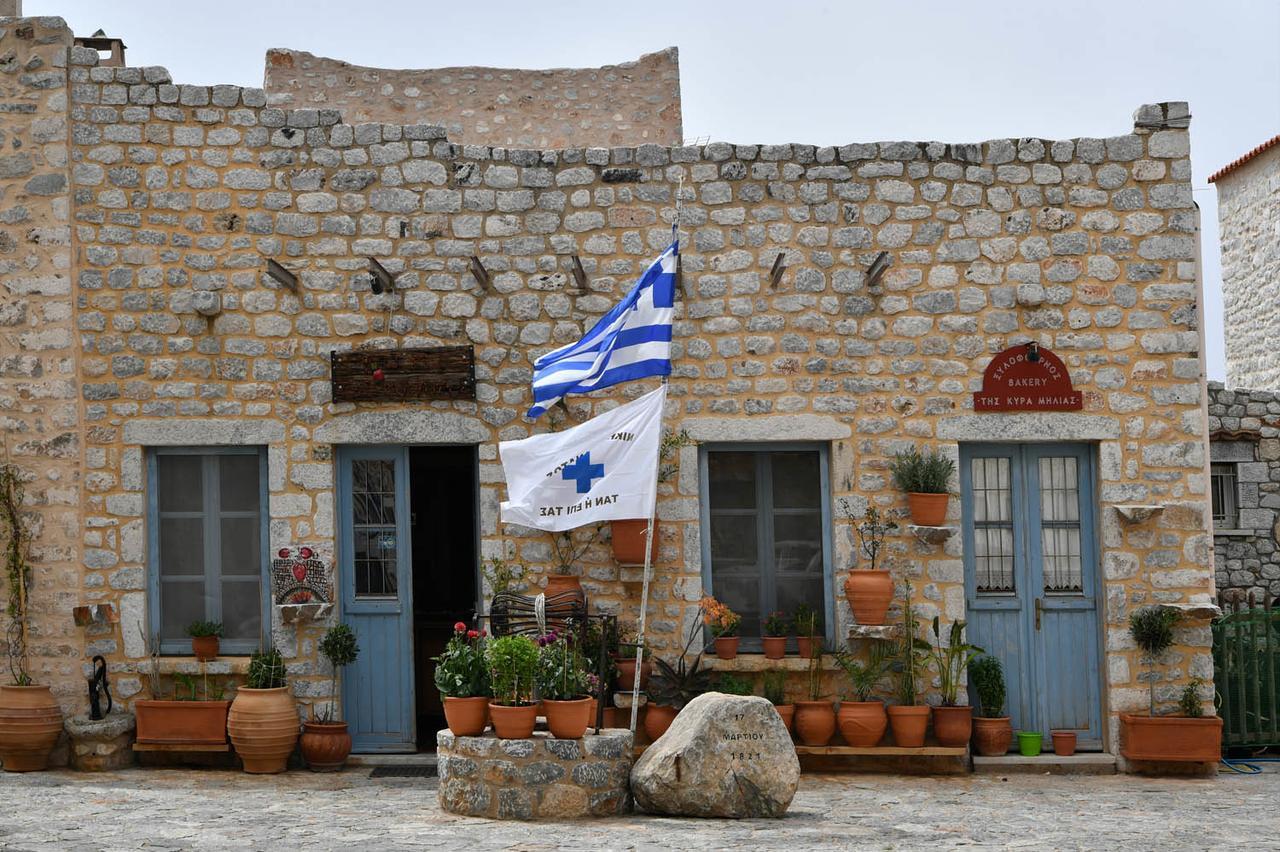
{"type": "Point", "coordinates": [1029, 743]}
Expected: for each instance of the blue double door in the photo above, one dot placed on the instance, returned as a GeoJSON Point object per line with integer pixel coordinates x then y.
{"type": "Point", "coordinates": [408, 571]}
{"type": "Point", "coordinates": [1031, 580]}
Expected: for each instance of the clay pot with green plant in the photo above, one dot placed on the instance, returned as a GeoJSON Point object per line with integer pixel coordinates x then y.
{"type": "Point", "coordinates": [561, 679]}
{"type": "Point", "coordinates": [462, 677]}
{"type": "Point", "coordinates": [204, 639]}
{"type": "Point", "coordinates": [723, 624]}
{"type": "Point", "coordinates": [992, 731]}
{"type": "Point", "coordinates": [909, 719]}
{"type": "Point", "coordinates": [809, 630]}
{"type": "Point", "coordinates": [263, 721]}
{"type": "Point", "coordinates": [1188, 736]}
{"type": "Point", "coordinates": [815, 719]}
{"type": "Point", "coordinates": [674, 685]}
{"type": "Point", "coordinates": [325, 741]}
{"type": "Point", "coordinates": [863, 721]}
{"type": "Point", "coordinates": [952, 721]}
{"type": "Point", "coordinates": [773, 685]}
{"type": "Point", "coordinates": [925, 478]}
{"type": "Point", "coordinates": [774, 640]}
{"type": "Point", "coordinates": [192, 712]}
{"type": "Point", "coordinates": [869, 590]}
{"type": "Point", "coordinates": [513, 664]}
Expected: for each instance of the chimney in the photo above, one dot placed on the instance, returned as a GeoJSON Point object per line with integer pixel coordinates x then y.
{"type": "Point", "coordinates": [10, 8]}
{"type": "Point", "coordinates": [113, 48]}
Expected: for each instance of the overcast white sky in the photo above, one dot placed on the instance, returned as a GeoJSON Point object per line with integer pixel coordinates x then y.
{"type": "Point", "coordinates": [821, 73]}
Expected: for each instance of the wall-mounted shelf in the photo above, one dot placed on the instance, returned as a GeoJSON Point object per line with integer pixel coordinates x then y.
{"type": "Point", "coordinates": [1134, 514]}
{"type": "Point", "coordinates": [931, 535]}
{"type": "Point", "coordinates": [875, 631]}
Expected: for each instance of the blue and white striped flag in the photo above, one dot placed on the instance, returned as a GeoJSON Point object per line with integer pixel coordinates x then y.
{"type": "Point", "coordinates": [630, 342]}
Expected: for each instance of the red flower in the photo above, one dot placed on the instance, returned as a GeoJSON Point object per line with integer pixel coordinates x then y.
{"type": "Point", "coordinates": [473, 634]}
{"type": "Point", "coordinates": [484, 632]}
{"type": "Point", "coordinates": [459, 628]}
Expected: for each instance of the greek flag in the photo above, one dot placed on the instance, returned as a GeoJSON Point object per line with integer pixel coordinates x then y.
{"type": "Point", "coordinates": [630, 342]}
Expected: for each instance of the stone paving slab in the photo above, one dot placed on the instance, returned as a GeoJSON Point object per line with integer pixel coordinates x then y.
{"type": "Point", "coordinates": [221, 810]}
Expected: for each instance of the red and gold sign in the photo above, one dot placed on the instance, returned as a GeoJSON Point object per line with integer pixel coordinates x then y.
{"type": "Point", "coordinates": [1027, 377]}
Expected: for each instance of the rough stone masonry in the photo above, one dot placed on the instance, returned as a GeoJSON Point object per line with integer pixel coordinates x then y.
{"type": "Point", "coordinates": [137, 215]}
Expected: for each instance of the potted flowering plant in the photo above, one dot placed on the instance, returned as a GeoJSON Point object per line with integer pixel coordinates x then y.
{"type": "Point", "coordinates": [462, 677]}
{"type": "Point", "coordinates": [204, 639]}
{"type": "Point", "coordinates": [325, 742]}
{"type": "Point", "coordinates": [562, 684]}
{"type": "Point", "coordinates": [723, 624]}
{"type": "Point", "coordinates": [775, 635]}
{"type": "Point", "coordinates": [513, 665]}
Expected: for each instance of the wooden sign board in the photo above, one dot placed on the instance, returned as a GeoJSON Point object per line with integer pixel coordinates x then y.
{"type": "Point", "coordinates": [1027, 378]}
{"type": "Point", "coordinates": [403, 375]}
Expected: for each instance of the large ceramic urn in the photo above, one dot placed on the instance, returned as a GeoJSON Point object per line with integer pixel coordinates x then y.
{"type": "Point", "coordinates": [263, 724]}
{"type": "Point", "coordinates": [30, 722]}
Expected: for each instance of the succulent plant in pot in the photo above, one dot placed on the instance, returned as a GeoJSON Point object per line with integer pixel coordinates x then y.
{"type": "Point", "coordinates": [774, 640]}
{"type": "Point", "coordinates": [992, 730]}
{"type": "Point", "coordinates": [513, 664]}
{"type": "Point", "coordinates": [325, 740]}
{"type": "Point", "coordinates": [773, 685]}
{"type": "Point", "coordinates": [924, 477]}
{"type": "Point", "coordinates": [863, 721]}
{"type": "Point", "coordinates": [674, 685]}
{"type": "Point", "coordinates": [462, 677]}
{"type": "Point", "coordinates": [561, 679]}
{"type": "Point", "coordinates": [869, 590]}
{"type": "Point", "coordinates": [952, 721]}
{"type": "Point", "coordinates": [263, 721]}
{"type": "Point", "coordinates": [205, 636]}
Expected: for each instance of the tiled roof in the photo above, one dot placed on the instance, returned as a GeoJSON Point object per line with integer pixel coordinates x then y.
{"type": "Point", "coordinates": [1235, 164]}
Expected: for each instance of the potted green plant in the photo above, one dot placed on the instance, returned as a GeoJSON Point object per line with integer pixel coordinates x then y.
{"type": "Point", "coordinates": [862, 722]}
{"type": "Point", "coordinates": [325, 741]}
{"type": "Point", "coordinates": [1186, 737]}
{"type": "Point", "coordinates": [909, 719]}
{"type": "Point", "coordinates": [773, 684]}
{"type": "Point", "coordinates": [204, 639]}
{"type": "Point", "coordinates": [809, 629]}
{"type": "Point", "coordinates": [952, 722]}
{"type": "Point", "coordinates": [723, 623]}
{"type": "Point", "coordinates": [561, 679]}
{"type": "Point", "coordinates": [567, 553]}
{"type": "Point", "coordinates": [869, 590]}
{"type": "Point", "coordinates": [30, 717]}
{"type": "Point", "coordinates": [513, 664]}
{"type": "Point", "coordinates": [193, 715]}
{"type": "Point", "coordinates": [815, 719]}
{"type": "Point", "coordinates": [924, 478]}
{"type": "Point", "coordinates": [775, 635]}
{"type": "Point", "coordinates": [992, 731]}
{"type": "Point", "coordinates": [462, 677]}
{"type": "Point", "coordinates": [674, 685]}
{"type": "Point", "coordinates": [263, 721]}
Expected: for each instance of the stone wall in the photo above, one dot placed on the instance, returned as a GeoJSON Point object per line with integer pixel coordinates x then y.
{"type": "Point", "coordinates": [1248, 221]}
{"type": "Point", "coordinates": [1245, 430]}
{"type": "Point", "coordinates": [1086, 246]}
{"type": "Point", "coordinates": [629, 104]}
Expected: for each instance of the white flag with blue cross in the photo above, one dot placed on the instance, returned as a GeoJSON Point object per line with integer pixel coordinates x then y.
{"type": "Point", "coordinates": [630, 342]}
{"type": "Point", "coordinates": [605, 469]}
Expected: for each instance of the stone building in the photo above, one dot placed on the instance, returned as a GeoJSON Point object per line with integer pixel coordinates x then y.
{"type": "Point", "coordinates": [169, 396]}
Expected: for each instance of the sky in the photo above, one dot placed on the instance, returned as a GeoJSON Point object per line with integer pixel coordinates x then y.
{"type": "Point", "coordinates": [822, 73]}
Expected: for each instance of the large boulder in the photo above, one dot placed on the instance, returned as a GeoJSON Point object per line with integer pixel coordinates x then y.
{"type": "Point", "coordinates": [723, 756]}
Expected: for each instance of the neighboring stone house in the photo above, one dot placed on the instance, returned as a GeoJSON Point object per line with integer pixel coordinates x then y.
{"type": "Point", "coordinates": [169, 394]}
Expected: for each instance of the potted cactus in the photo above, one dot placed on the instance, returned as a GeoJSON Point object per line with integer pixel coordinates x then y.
{"type": "Point", "coordinates": [325, 741]}
{"type": "Point", "coordinates": [263, 721]}
{"type": "Point", "coordinates": [992, 730]}
{"type": "Point", "coordinates": [924, 477]}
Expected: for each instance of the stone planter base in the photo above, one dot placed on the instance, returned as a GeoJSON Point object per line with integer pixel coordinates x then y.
{"type": "Point", "coordinates": [536, 778]}
{"type": "Point", "coordinates": [101, 746]}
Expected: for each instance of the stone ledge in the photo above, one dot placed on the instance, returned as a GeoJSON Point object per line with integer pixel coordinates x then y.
{"type": "Point", "coordinates": [761, 663]}
{"type": "Point", "coordinates": [931, 535]}
{"type": "Point", "coordinates": [1137, 514]}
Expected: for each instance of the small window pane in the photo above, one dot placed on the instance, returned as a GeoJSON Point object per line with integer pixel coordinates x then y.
{"type": "Point", "coordinates": [794, 479]}
{"type": "Point", "coordinates": [733, 543]}
{"type": "Point", "coordinates": [181, 483]}
{"type": "Point", "coordinates": [1224, 490]}
{"type": "Point", "coordinates": [797, 543]}
{"type": "Point", "coordinates": [241, 549]}
{"type": "Point", "coordinates": [238, 483]}
{"type": "Point", "coordinates": [733, 480]}
{"type": "Point", "coordinates": [241, 610]}
{"type": "Point", "coordinates": [181, 547]}
{"type": "Point", "coordinates": [181, 603]}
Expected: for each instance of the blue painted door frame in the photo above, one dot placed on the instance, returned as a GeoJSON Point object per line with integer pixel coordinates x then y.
{"type": "Point", "coordinates": [1044, 629]}
{"type": "Point", "coordinates": [378, 689]}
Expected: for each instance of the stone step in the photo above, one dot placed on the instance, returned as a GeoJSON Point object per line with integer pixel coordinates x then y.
{"type": "Point", "coordinates": [1087, 763]}
{"type": "Point", "coordinates": [419, 759]}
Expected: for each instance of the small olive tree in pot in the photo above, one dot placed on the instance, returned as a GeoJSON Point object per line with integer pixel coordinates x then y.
{"type": "Point", "coordinates": [325, 740]}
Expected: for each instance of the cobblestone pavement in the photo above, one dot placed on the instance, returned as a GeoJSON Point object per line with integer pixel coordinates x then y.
{"type": "Point", "coordinates": [158, 809]}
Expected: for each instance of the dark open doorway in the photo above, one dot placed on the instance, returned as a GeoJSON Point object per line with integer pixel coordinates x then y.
{"type": "Point", "coordinates": [443, 506]}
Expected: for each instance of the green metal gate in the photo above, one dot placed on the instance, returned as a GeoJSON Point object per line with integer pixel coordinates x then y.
{"type": "Point", "coordinates": [1246, 672]}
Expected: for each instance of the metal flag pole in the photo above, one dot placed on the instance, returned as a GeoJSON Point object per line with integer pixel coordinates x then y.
{"type": "Point", "coordinates": [653, 511]}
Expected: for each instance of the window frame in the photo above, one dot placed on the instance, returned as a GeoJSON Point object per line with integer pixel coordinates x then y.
{"type": "Point", "coordinates": [752, 644]}
{"type": "Point", "coordinates": [1229, 520]}
{"type": "Point", "coordinates": [228, 647]}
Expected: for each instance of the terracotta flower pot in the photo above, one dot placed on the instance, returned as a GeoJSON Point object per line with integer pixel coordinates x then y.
{"type": "Point", "coordinates": [1064, 743]}
{"type": "Point", "coordinates": [325, 745]}
{"type": "Point", "coordinates": [30, 722]}
{"type": "Point", "coordinates": [513, 723]}
{"type": "Point", "coordinates": [263, 724]}
{"type": "Point", "coordinates": [869, 594]}
{"type": "Point", "coordinates": [181, 722]}
{"type": "Point", "coordinates": [804, 645]}
{"type": "Point", "coordinates": [629, 540]}
{"type": "Point", "coordinates": [727, 647]}
{"type": "Point", "coordinates": [466, 717]}
{"type": "Point", "coordinates": [928, 510]}
{"type": "Point", "coordinates": [1174, 738]}
{"type": "Point", "coordinates": [627, 673]}
{"type": "Point", "coordinates": [953, 726]}
{"type": "Point", "coordinates": [815, 722]}
{"type": "Point", "coordinates": [657, 718]}
{"type": "Point", "coordinates": [992, 737]}
{"type": "Point", "coordinates": [909, 724]}
{"type": "Point", "coordinates": [775, 647]}
{"type": "Point", "coordinates": [862, 723]}
{"type": "Point", "coordinates": [204, 648]}
{"type": "Point", "coordinates": [788, 714]}
{"type": "Point", "coordinates": [568, 720]}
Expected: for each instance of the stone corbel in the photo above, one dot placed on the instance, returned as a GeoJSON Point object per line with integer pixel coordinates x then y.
{"type": "Point", "coordinates": [931, 535]}
{"type": "Point", "coordinates": [1132, 514]}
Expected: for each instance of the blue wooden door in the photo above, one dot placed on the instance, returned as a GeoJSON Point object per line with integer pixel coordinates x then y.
{"type": "Point", "coordinates": [377, 597]}
{"type": "Point", "coordinates": [1031, 577]}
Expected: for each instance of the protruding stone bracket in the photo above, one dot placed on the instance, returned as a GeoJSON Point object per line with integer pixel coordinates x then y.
{"type": "Point", "coordinates": [1133, 514]}
{"type": "Point", "coordinates": [875, 631]}
{"type": "Point", "coordinates": [931, 535]}
{"type": "Point", "coordinates": [293, 613]}
{"type": "Point", "coordinates": [1194, 611]}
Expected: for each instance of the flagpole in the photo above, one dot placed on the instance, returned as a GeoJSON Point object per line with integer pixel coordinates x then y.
{"type": "Point", "coordinates": [653, 510]}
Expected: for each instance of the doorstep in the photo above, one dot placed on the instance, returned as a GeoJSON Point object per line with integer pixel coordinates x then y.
{"type": "Point", "coordinates": [424, 758]}
{"type": "Point", "coordinates": [1087, 763]}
